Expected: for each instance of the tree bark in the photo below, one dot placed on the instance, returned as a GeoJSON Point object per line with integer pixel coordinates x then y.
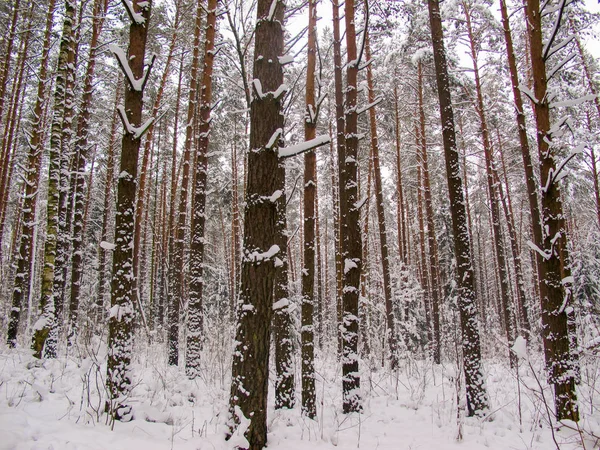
{"type": "Point", "coordinates": [434, 274]}
{"type": "Point", "coordinates": [32, 175]}
{"type": "Point", "coordinates": [477, 399]}
{"type": "Point", "coordinates": [250, 366]}
{"type": "Point", "coordinates": [341, 152]}
{"type": "Point", "coordinates": [195, 312]}
{"type": "Point", "coordinates": [350, 219]}
{"type": "Point", "coordinates": [309, 399]}
{"type": "Point", "coordinates": [177, 272]}
{"type": "Point", "coordinates": [554, 297]}
{"type": "Point", "coordinates": [120, 322]}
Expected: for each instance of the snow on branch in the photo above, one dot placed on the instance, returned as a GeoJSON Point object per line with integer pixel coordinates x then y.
{"type": "Point", "coordinates": [560, 46]}
{"type": "Point", "coordinates": [525, 90]}
{"type": "Point", "coordinates": [560, 65]}
{"type": "Point", "coordinates": [136, 18]}
{"type": "Point", "coordinates": [557, 21]}
{"type": "Point", "coordinates": [136, 85]}
{"type": "Point", "coordinates": [274, 139]}
{"type": "Point", "coordinates": [275, 95]}
{"type": "Point", "coordinates": [535, 248]}
{"type": "Point", "coordinates": [304, 146]}
{"type": "Point", "coordinates": [574, 102]}
{"type": "Point", "coordinates": [256, 256]}
{"type": "Point", "coordinates": [136, 132]}
{"type": "Point", "coordinates": [375, 102]}
{"type": "Point", "coordinates": [272, 10]}
{"type": "Point", "coordinates": [555, 175]}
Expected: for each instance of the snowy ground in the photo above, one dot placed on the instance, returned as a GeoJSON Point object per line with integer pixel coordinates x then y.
{"type": "Point", "coordinates": [55, 404]}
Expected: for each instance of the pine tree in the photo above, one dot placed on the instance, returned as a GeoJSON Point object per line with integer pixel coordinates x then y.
{"type": "Point", "coordinates": [120, 322]}
{"type": "Point", "coordinates": [309, 400]}
{"type": "Point", "coordinates": [250, 367]}
{"type": "Point", "coordinates": [477, 400]}
{"type": "Point", "coordinates": [195, 312]}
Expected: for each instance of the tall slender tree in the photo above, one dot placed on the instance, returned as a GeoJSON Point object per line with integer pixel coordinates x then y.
{"type": "Point", "coordinates": [309, 400]}
{"type": "Point", "coordinates": [177, 273]}
{"type": "Point", "coordinates": [477, 399]}
{"type": "Point", "coordinates": [195, 312]}
{"type": "Point", "coordinates": [120, 322]}
{"type": "Point", "coordinates": [350, 221]}
{"type": "Point", "coordinates": [32, 175]}
{"type": "Point", "coordinates": [561, 365]}
{"type": "Point", "coordinates": [250, 367]}
{"type": "Point", "coordinates": [379, 199]}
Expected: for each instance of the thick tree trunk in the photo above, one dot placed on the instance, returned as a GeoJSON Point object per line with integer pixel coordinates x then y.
{"type": "Point", "coordinates": [120, 322]}
{"type": "Point", "coordinates": [477, 399]}
{"type": "Point", "coordinates": [250, 366]}
{"type": "Point", "coordinates": [350, 219]}
{"type": "Point", "coordinates": [32, 180]}
{"type": "Point", "coordinates": [195, 312]}
{"type": "Point", "coordinates": [309, 399]}
{"type": "Point", "coordinates": [554, 297]}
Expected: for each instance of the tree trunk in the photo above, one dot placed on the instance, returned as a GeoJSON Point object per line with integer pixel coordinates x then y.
{"type": "Point", "coordinates": [561, 366]}
{"type": "Point", "coordinates": [431, 237]}
{"type": "Point", "coordinates": [401, 218]}
{"type": "Point", "coordinates": [505, 299]}
{"type": "Point", "coordinates": [250, 366]}
{"type": "Point", "coordinates": [285, 385]}
{"type": "Point", "coordinates": [350, 219]}
{"type": "Point", "coordinates": [177, 271]}
{"type": "Point", "coordinates": [309, 399]}
{"type": "Point", "coordinates": [195, 312]}
{"type": "Point", "coordinates": [120, 322]}
{"type": "Point", "coordinates": [477, 399]}
{"type": "Point", "coordinates": [47, 318]}
{"type": "Point", "coordinates": [108, 207]}
{"type": "Point", "coordinates": [81, 160]}
{"type": "Point", "coordinates": [341, 152]}
{"type": "Point", "coordinates": [385, 261]}
{"type": "Point", "coordinates": [32, 175]}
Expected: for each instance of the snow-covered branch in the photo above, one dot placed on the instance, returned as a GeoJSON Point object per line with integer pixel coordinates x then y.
{"type": "Point", "coordinates": [135, 17]}
{"type": "Point", "coordinates": [136, 85]}
{"type": "Point", "coordinates": [375, 102]}
{"type": "Point", "coordinates": [557, 21]}
{"type": "Point", "coordinates": [136, 132]}
{"type": "Point", "coordinates": [304, 146]}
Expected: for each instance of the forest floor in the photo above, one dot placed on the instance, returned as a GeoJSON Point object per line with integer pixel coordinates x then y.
{"type": "Point", "coordinates": [58, 404]}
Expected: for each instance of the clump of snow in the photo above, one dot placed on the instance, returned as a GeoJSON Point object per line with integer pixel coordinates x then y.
{"type": "Point", "coordinates": [519, 348]}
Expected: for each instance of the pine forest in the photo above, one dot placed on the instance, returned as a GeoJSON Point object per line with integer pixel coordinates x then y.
{"type": "Point", "coordinates": [241, 224]}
